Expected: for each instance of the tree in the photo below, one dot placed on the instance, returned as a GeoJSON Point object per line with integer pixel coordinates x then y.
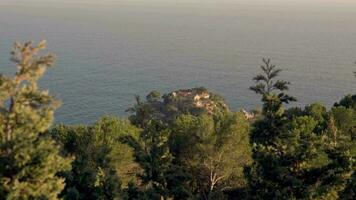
{"type": "Point", "coordinates": [332, 177]}
{"type": "Point", "coordinates": [276, 150]}
{"type": "Point", "coordinates": [29, 160]}
{"type": "Point", "coordinates": [151, 152]}
{"type": "Point", "coordinates": [349, 101]}
{"type": "Point", "coordinates": [212, 151]}
{"type": "Point", "coordinates": [342, 151]}
{"type": "Point", "coordinates": [272, 110]}
{"type": "Point", "coordinates": [103, 165]}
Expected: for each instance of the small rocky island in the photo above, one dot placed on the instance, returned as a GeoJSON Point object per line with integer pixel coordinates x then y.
{"type": "Point", "coordinates": [167, 107]}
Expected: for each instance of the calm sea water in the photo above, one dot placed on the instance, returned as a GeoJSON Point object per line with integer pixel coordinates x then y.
{"type": "Point", "coordinates": [108, 51]}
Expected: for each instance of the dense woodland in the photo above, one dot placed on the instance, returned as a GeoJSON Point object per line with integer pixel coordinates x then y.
{"type": "Point", "coordinates": [186, 144]}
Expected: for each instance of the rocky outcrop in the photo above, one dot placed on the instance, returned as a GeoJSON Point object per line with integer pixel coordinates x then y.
{"type": "Point", "coordinates": [248, 115]}
{"type": "Point", "coordinates": [195, 99]}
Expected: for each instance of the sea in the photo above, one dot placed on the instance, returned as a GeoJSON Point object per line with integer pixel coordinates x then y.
{"type": "Point", "coordinates": [108, 51]}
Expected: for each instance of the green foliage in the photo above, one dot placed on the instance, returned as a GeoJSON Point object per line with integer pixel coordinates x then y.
{"type": "Point", "coordinates": [29, 160]}
{"type": "Point", "coordinates": [344, 114]}
{"type": "Point", "coordinates": [333, 176]}
{"type": "Point", "coordinates": [318, 112]}
{"type": "Point", "coordinates": [273, 97]}
{"type": "Point", "coordinates": [214, 152]}
{"type": "Point", "coordinates": [113, 129]}
{"type": "Point", "coordinates": [342, 151]}
{"type": "Point", "coordinates": [299, 154]}
{"type": "Point", "coordinates": [345, 119]}
{"type": "Point", "coordinates": [151, 152]}
{"type": "Point", "coordinates": [281, 168]}
{"type": "Point", "coordinates": [100, 158]}
{"type": "Point", "coordinates": [266, 86]}
{"type": "Point", "coordinates": [349, 193]}
{"type": "Point", "coordinates": [349, 101]}
{"type": "Point", "coordinates": [285, 144]}
{"type": "Point", "coordinates": [345, 122]}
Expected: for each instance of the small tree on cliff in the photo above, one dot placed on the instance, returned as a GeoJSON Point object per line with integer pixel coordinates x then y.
{"type": "Point", "coordinates": [29, 161]}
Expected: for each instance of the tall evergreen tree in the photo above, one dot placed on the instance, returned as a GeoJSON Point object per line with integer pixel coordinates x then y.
{"type": "Point", "coordinates": [29, 161]}
{"type": "Point", "coordinates": [273, 98]}
{"type": "Point", "coordinates": [270, 176]}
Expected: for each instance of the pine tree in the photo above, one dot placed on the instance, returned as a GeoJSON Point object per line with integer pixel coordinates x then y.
{"type": "Point", "coordinates": [336, 179]}
{"type": "Point", "coordinates": [29, 160]}
{"type": "Point", "coordinates": [213, 152]}
{"type": "Point", "coordinates": [93, 175]}
{"type": "Point", "coordinates": [103, 166]}
{"type": "Point", "coordinates": [270, 176]}
{"type": "Point", "coordinates": [151, 152]}
{"type": "Point", "coordinates": [272, 110]}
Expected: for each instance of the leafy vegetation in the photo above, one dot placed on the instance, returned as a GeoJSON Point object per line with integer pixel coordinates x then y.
{"type": "Point", "coordinates": [29, 160]}
{"type": "Point", "coordinates": [100, 158]}
{"type": "Point", "coordinates": [186, 144]}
